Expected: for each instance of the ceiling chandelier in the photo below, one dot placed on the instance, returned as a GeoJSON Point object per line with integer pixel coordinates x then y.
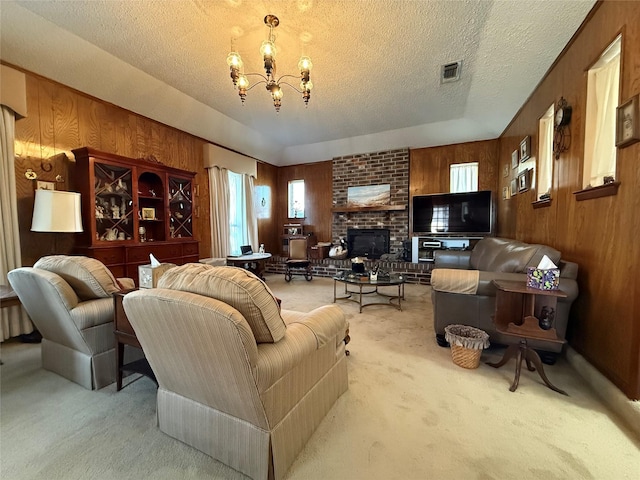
{"type": "Point", "coordinates": [272, 82]}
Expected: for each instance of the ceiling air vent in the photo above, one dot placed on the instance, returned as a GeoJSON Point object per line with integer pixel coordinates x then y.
{"type": "Point", "coordinates": [451, 72]}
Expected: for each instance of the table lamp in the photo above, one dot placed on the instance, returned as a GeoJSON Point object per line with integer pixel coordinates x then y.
{"type": "Point", "coordinates": [56, 211]}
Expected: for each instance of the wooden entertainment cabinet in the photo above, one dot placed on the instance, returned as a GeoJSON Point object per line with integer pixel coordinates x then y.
{"type": "Point", "coordinates": [132, 208]}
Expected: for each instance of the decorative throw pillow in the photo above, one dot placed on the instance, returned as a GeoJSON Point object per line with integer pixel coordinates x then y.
{"type": "Point", "coordinates": [236, 287]}
{"type": "Point", "coordinates": [88, 277]}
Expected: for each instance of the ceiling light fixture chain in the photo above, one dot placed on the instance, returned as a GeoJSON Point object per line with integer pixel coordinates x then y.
{"type": "Point", "coordinates": [273, 84]}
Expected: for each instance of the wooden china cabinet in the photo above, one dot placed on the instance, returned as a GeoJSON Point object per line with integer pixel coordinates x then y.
{"type": "Point", "coordinates": [132, 208]}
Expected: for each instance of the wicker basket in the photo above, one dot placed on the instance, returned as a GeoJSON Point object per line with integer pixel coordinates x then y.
{"type": "Point", "coordinates": [467, 344]}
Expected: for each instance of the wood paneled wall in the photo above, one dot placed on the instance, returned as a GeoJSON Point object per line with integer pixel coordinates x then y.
{"type": "Point", "coordinates": [429, 167]}
{"type": "Point", "coordinates": [601, 234]}
{"type": "Point", "coordinates": [318, 184]}
{"type": "Point", "coordinates": [60, 119]}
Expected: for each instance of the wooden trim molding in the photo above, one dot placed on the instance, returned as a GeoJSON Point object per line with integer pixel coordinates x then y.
{"type": "Point", "coordinates": [377, 208]}
{"type": "Point", "coordinates": [541, 203]}
{"type": "Point", "coordinates": [597, 192]}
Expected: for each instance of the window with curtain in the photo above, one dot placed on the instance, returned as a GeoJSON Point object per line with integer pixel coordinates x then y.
{"type": "Point", "coordinates": [237, 212]}
{"type": "Point", "coordinates": [603, 82]}
{"type": "Point", "coordinates": [463, 177]}
{"type": "Point", "coordinates": [544, 175]}
{"type": "Point", "coordinates": [296, 199]}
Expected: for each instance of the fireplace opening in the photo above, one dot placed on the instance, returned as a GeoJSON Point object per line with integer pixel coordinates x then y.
{"type": "Point", "coordinates": [368, 242]}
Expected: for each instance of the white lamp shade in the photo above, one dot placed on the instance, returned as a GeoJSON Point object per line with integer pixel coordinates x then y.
{"type": "Point", "coordinates": [56, 211]}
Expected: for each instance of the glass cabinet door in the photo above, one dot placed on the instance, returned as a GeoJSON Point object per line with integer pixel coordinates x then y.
{"type": "Point", "coordinates": [180, 208]}
{"type": "Point", "coordinates": [113, 202]}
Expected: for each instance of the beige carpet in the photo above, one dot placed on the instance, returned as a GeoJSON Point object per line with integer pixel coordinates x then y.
{"type": "Point", "coordinates": [410, 413]}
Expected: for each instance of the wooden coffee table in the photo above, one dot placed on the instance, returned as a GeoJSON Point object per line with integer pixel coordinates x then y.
{"type": "Point", "coordinates": [363, 281]}
{"type": "Point", "coordinates": [126, 335]}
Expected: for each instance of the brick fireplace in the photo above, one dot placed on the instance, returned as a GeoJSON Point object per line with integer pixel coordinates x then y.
{"type": "Point", "coordinates": [388, 167]}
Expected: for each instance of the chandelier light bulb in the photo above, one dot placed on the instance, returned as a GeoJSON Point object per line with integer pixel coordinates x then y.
{"type": "Point", "coordinates": [243, 82]}
{"type": "Point", "coordinates": [268, 49]}
{"type": "Point", "coordinates": [277, 93]}
{"type": "Point", "coordinates": [305, 64]}
{"type": "Point", "coordinates": [234, 60]}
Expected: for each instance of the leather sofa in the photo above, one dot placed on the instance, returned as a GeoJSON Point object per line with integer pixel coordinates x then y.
{"type": "Point", "coordinates": [494, 258]}
{"type": "Point", "coordinates": [70, 301]}
{"type": "Point", "coordinates": [239, 379]}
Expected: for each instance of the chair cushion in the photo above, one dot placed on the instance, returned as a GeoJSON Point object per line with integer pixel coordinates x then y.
{"type": "Point", "coordinates": [88, 277]}
{"type": "Point", "coordinates": [236, 287]}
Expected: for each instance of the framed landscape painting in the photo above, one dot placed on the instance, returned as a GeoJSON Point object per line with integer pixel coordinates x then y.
{"type": "Point", "coordinates": [369, 195]}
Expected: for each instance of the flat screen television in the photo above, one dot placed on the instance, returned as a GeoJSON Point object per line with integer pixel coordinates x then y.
{"type": "Point", "coordinates": [469, 213]}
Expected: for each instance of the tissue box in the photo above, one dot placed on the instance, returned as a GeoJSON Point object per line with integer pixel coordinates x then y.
{"type": "Point", "coordinates": [148, 276]}
{"type": "Point", "coordinates": [543, 278]}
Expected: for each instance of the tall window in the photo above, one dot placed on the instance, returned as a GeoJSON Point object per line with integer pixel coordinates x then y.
{"type": "Point", "coordinates": [603, 83]}
{"type": "Point", "coordinates": [544, 175]}
{"type": "Point", "coordinates": [296, 199]}
{"type": "Point", "coordinates": [237, 212]}
{"type": "Point", "coordinates": [463, 177]}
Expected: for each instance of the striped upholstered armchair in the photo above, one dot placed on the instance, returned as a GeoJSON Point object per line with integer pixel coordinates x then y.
{"type": "Point", "coordinates": [70, 301]}
{"type": "Point", "coordinates": [238, 379]}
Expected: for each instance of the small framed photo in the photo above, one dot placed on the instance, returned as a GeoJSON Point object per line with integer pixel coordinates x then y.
{"type": "Point", "coordinates": [505, 193]}
{"type": "Point", "coordinates": [505, 170]}
{"type": "Point", "coordinates": [628, 123]}
{"type": "Point", "coordinates": [148, 214]}
{"type": "Point", "coordinates": [524, 181]}
{"type": "Point", "coordinates": [515, 158]}
{"type": "Point", "coordinates": [525, 149]}
{"type": "Point", "coordinates": [513, 188]}
{"type": "Point", "coordinates": [40, 185]}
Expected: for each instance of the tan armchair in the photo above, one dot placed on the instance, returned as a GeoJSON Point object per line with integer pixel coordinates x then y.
{"type": "Point", "coordinates": [239, 379]}
{"type": "Point", "coordinates": [69, 300]}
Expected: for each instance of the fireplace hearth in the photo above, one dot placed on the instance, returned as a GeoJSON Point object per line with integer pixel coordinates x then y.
{"type": "Point", "coordinates": [368, 242]}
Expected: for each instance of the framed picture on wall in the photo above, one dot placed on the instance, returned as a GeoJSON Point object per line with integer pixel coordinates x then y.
{"type": "Point", "coordinates": [513, 188]}
{"type": "Point", "coordinates": [525, 149]}
{"type": "Point", "coordinates": [524, 181]}
{"type": "Point", "coordinates": [505, 193]}
{"type": "Point", "coordinates": [628, 123]}
{"type": "Point", "coordinates": [515, 158]}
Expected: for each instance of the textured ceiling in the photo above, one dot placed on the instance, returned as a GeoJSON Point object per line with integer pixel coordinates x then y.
{"type": "Point", "coordinates": [376, 65]}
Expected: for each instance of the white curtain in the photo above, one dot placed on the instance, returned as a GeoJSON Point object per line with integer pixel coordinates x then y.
{"type": "Point", "coordinates": [219, 200]}
{"type": "Point", "coordinates": [14, 320]}
{"type": "Point", "coordinates": [463, 177]}
{"type": "Point", "coordinates": [600, 129]}
{"type": "Point", "coordinates": [545, 153]}
{"type": "Point", "coordinates": [250, 214]}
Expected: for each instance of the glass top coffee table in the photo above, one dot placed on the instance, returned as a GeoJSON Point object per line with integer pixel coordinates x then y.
{"type": "Point", "coordinates": [362, 280]}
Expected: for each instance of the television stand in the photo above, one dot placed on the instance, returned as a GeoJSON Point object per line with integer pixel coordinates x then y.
{"type": "Point", "coordinates": [424, 246]}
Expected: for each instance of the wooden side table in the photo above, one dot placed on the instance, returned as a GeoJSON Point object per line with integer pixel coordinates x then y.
{"type": "Point", "coordinates": [126, 335]}
{"type": "Point", "coordinates": [516, 308]}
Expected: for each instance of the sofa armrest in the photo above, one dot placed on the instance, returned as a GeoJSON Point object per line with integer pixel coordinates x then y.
{"type": "Point", "coordinates": [452, 259]}
{"type": "Point", "coordinates": [126, 283]}
{"type": "Point", "coordinates": [326, 323]}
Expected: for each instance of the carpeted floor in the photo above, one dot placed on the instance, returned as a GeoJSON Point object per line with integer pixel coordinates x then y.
{"type": "Point", "coordinates": [409, 413]}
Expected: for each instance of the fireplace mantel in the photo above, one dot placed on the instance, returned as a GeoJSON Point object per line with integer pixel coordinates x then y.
{"type": "Point", "coordinates": [376, 208]}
